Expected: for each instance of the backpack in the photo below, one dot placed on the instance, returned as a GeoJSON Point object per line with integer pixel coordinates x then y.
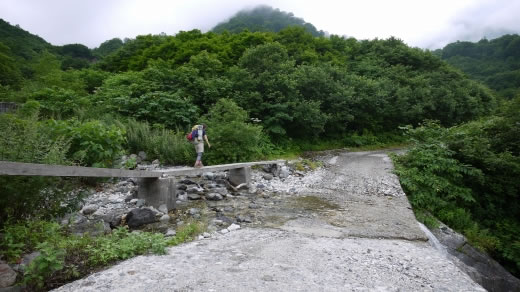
{"type": "Point", "coordinates": [189, 137]}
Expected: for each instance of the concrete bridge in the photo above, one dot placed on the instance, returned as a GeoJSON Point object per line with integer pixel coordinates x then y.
{"type": "Point", "coordinates": [157, 187]}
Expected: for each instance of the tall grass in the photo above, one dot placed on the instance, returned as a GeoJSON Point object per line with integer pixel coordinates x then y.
{"type": "Point", "coordinates": [170, 147]}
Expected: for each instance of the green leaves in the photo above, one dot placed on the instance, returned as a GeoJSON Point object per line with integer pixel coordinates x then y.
{"type": "Point", "coordinates": [467, 177]}
{"type": "Point", "coordinates": [232, 138]}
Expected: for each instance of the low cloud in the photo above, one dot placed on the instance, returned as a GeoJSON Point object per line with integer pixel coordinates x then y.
{"type": "Point", "coordinates": [485, 19]}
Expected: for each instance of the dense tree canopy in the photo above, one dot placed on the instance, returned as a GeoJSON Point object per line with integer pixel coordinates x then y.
{"type": "Point", "coordinates": [494, 62]}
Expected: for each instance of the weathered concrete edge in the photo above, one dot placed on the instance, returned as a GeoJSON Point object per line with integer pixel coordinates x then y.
{"type": "Point", "coordinates": [195, 171]}
{"type": "Point", "coordinates": [34, 169]}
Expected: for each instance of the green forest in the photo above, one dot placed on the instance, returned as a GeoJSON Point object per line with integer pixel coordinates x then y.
{"type": "Point", "coordinates": [268, 84]}
{"type": "Point", "coordinates": [495, 63]}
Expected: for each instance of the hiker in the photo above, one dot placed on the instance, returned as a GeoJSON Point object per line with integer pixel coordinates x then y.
{"type": "Point", "coordinates": [198, 133]}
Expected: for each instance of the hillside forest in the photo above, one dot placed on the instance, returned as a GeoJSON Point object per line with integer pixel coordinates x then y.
{"type": "Point", "coordinates": [269, 87]}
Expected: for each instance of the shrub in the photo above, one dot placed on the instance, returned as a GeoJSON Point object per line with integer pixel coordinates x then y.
{"type": "Point", "coordinates": [58, 102]}
{"type": "Point", "coordinates": [231, 137]}
{"type": "Point", "coordinates": [25, 139]}
{"type": "Point", "coordinates": [64, 257]}
{"type": "Point", "coordinates": [169, 146]}
{"type": "Point", "coordinates": [467, 177]}
{"type": "Point", "coordinates": [92, 143]}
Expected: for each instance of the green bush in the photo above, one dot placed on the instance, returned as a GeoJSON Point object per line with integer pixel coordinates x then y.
{"type": "Point", "coordinates": [232, 139]}
{"type": "Point", "coordinates": [58, 102]}
{"type": "Point", "coordinates": [64, 257]}
{"type": "Point", "coordinates": [25, 139]}
{"type": "Point", "coordinates": [92, 143]}
{"type": "Point", "coordinates": [467, 177]}
{"type": "Point", "coordinates": [170, 147]}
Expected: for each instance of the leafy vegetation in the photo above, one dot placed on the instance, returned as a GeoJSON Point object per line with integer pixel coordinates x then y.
{"type": "Point", "coordinates": [26, 139]}
{"type": "Point", "coordinates": [467, 177]}
{"type": "Point", "coordinates": [64, 257]}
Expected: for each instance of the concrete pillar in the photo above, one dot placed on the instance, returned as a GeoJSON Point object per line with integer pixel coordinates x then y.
{"type": "Point", "coordinates": [238, 176]}
{"type": "Point", "coordinates": [158, 191]}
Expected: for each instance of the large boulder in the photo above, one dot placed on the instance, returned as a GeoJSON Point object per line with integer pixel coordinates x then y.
{"type": "Point", "coordinates": [113, 219]}
{"type": "Point", "coordinates": [479, 266]}
{"type": "Point", "coordinates": [139, 217]}
{"type": "Point", "coordinates": [80, 225]}
{"type": "Point", "coordinates": [7, 275]}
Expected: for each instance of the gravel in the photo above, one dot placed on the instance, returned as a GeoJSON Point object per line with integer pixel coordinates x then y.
{"type": "Point", "coordinates": [346, 226]}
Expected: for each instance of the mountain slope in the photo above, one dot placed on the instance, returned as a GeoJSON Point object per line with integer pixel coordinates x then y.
{"type": "Point", "coordinates": [494, 62]}
{"type": "Point", "coordinates": [264, 18]}
{"type": "Point", "coordinates": [21, 43]}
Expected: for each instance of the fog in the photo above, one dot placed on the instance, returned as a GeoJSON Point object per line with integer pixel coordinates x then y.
{"type": "Point", "coordinates": [420, 23]}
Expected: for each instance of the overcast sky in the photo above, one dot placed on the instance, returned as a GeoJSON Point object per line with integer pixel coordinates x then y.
{"type": "Point", "coordinates": [421, 23]}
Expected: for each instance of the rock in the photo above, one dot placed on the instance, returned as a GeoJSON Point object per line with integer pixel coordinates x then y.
{"type": "Point", "coordinates": [129, 198]}
{"type": "Point", "coordinates": [206, 235]}
{"type": "Point", "coordinates": [228, 209]}
{"type": "Point", "coordinates": [7, 275]}
{"type": "Point", "coordinates": [156, 212]}
{"type": "Point", "coordinates": [221, 175]}
{"type": "Point", "coordinates": [268, 168]}
{"type": "Point", "coordinates": [187, 182]}
{"type": "Point", "coordinates": [26, 261]}
{"type": "Point", "coordinates": [139, 217]}
{"type": "Point", "coordinates": [193, 197]}
{"type": "Point", "coordinates": [224, 219]}
{"type": "Point", "coordinates": [209, 175]}
{"type": "Point", "coordinates": [268, 176]}
{"type": "Point", "coordinates": [133, 201]}
{"type": "Point", "coordinates": [194, 211]}
{"type": "Point", "coordinates": [223, 191]}
{"type": "Point", "coordinates": [182, 187]}
{"type": "Point", "coordinates": [284, 172]}
{"type": "Point", "coordinates": [233, 227]}
{"type": "Point", "coordinates": [140, 203]}
{"type": "Point", "coordinates": [142, 155]}
{"type": "Point", "coordinates": [82, 226]}
{"type": "Point", "coordinates": [299, 173]}
{"type": "Point", "coordinates": [244, 218]}
{"type": "Point", "coordinates": [254, 206]}
{"type": "Point", "coordinates": [170, 232]}
{"type": "Point", "coordinates": [211, 185]}
{"type": "Point", "coordinates": [163, 208]}
{"type": "Point", "coordinates": [113, 219]}
{"type": "Point", "coordinates": [479, 266]}
{"type": "Point", "coordinates": [89, 209]}
{"type": "Point", "coordinates": [156, 162]}
{"type": "Point", "coordinates": [224, 231]}
{"type": "Point", "coordinates": [222, 182]}
{"type": "Point", "coordinates": [218, 222]}
{"type": "Point", "coordinates": [195, 189]}
{"type": "Point", "coordinates": [214, 196]}
{"type": "Point", "coordinates": [165, 218]}
{"type": "Point", "coordinates": [260, 186]}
